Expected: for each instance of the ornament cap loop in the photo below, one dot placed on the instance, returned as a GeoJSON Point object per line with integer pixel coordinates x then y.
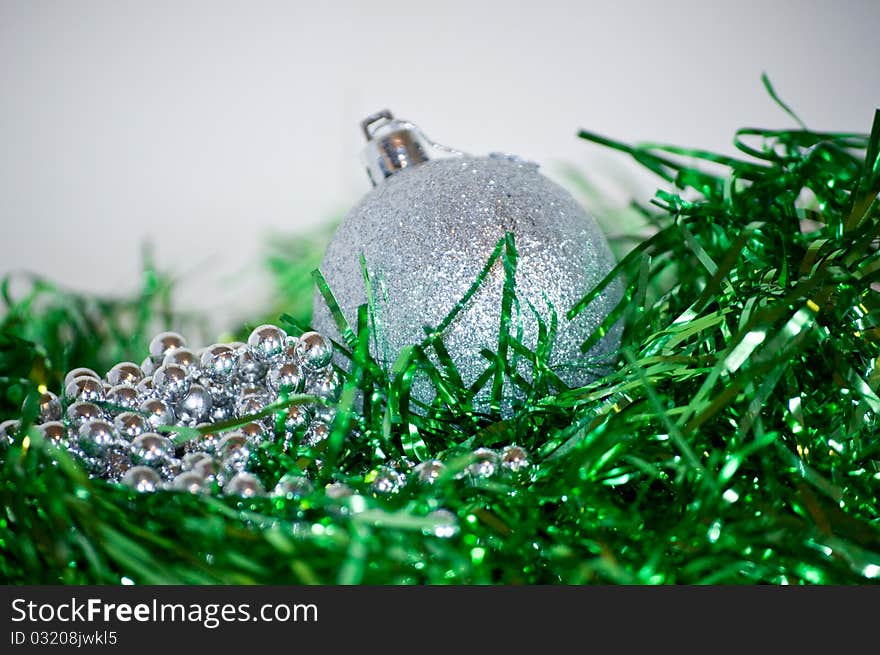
{"type": "Point", "coordinates": [394, 144]}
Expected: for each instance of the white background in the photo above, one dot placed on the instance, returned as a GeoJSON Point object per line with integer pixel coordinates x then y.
{"type": "Point", "coordinates": [205, 127]}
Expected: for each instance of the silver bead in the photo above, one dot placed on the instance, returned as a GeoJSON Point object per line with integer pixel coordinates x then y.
{"type": "Point", "coordinates": [218, 362]}
{"type": "Point", "coordinates": [171, 381]}
{"type": "Point", "coordinates": [85, 387]}
{"type": "Point", "coordinates": [148, 366]}
{"type": "Point", "coordinates": [123, 397]}
{"type": "Point", "coordinates": [484, 464]}
{"type": "Point", "coordinates": [514, 459]}
{"type": "Point", "coordinates": [189, 481]}
{"type": "Point", "coordinates": [290, 349]}
{"type": "Point", "coordinates": [207, 468]}
{"type": "Point", "coordinates": [443, 524]}
{"type": "Point", "coordinates": [82, 412]}
{"type": "Point", "coordinates": [169, 469]}
{"type": "Point", "coordinates": [293, 487]}
{"type": "Point", "coordinates": [324, 413]}
{"type": "Point", "coordinates": [9, 431]}
{"type": "Point", "coordinates": [248, 367]}
{"type": "Point", "coordinates": [267, 342]}
{"type": "Point", "coordinates": [78, 372]}
{"type": "Point", "coordinates": [195, 406]}
{"type": "Point", "coordinates": [142, 478]}
{"type": "Point", "coordinates": [296, 418]}
{"type": "Point", "coordinates": [49, 407]}
{"type": "Point", "coordinates": [151, 449]}
{"type": "Point", "coordinates": [384, 480]}
{"type": "Point", "coordinates": [113, 463]}
{"type": "Point", "coordinates": [220, 413]}
{"type": "Point", "coordinates": [130, 425]}
{"type": "Point", "coordinates": [183, 357]}
{"type": "Point", "coordinates": [234, 451]}
{"type": "Point", "coordinates": [189, 461]}
{"type": "Point", "coordinates": [429, 471]}
{"type": "Point", "coordinates": [158, 412]}
{"type": "Point", "coordinates": [125, 373]}
{"type": "Point", "coordinates": [324, 384]}
{"type": "Point", "coordinates": [244, 485]}
{"type": "Point", "coordinates": [314, 350]}
{"type": "Point", "coordinates": [95, 437]}
{"type": "Point", "coordinates": [338, 491]}
{"type": "Point", "coordinates": [223, 392]}
{"type": "Point", "coordinates": [163, 343]}
{"type": "Point", "coordinates": [145, 388]}
{"type": "Point", "coordinates": [315, 433]}
{"type": "Point", "coordinates": [54, 432]}
{"type": "Point", "coordinates": [254, 432]}
{"type": "Point", "coordinates": [250, 403]}
{"type": "Point", "coordinates": [285, 375]}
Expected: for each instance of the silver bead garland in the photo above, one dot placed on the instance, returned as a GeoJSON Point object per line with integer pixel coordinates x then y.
{"type": "Point", "coordinates": [112, 425]}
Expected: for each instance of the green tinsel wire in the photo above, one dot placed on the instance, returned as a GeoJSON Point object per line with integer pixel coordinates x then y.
{"type": "Point", "coordinates": [736, 442]}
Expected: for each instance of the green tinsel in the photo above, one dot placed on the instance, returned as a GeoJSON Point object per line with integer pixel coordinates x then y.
{"type": "Point", "coordinates": [736, 442]}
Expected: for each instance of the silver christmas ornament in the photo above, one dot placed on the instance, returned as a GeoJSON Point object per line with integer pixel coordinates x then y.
{"type": "Point", "coordinates": [427, 229]}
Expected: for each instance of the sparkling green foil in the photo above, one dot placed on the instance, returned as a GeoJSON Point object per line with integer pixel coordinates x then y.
{"type": "Point", "coordinates": [736, 442]}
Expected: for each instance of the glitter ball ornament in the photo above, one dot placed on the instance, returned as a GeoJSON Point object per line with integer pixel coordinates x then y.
{"type": "Point", "coordinates": [428, 228]}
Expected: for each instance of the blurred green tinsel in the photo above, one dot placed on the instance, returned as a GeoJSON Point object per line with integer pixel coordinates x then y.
{"type": "Point", "coordinates": [736, 441]}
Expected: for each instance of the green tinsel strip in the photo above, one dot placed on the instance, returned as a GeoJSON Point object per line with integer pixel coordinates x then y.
{"type": "Point", "coordinates": [735, 442]}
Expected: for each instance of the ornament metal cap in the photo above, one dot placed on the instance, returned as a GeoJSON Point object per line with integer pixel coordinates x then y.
{"type": "Point", "coordinates": [394, 144]}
